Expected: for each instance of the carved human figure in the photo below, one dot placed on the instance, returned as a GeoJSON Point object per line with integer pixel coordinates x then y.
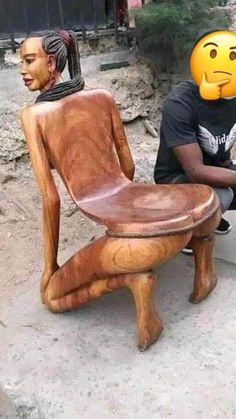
{"type": "Point", "coordinates": [81, 135]}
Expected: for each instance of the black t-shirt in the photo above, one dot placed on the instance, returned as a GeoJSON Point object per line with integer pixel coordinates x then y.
{"type": "Point", "coordinates": [187, 119]}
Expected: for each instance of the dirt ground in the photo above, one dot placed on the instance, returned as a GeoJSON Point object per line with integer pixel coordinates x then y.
{"type": "Point", "coordinates": [20, 204]}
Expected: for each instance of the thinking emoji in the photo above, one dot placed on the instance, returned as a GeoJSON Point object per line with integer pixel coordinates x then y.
{"type": "Point", "coordinates": [213, 65]}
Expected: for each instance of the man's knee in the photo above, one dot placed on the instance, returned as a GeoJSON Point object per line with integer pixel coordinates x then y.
{"type": "Point", "coordinates": [226, 196]}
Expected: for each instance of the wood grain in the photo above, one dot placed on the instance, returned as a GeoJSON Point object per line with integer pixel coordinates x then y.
{"type": "Point", "coordinates": [82, 137]}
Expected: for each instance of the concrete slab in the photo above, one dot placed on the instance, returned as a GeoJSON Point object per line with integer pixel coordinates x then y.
{"type": "Point", "coordinates": [85, 364]}
{"type": "Point", "coordinates": [226, 244]}
{"type": "Point", "coordinates": [7, 409]}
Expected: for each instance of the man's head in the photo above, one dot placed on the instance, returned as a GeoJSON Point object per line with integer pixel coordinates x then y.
{"type": "Point", "coordinates": [213, 59]}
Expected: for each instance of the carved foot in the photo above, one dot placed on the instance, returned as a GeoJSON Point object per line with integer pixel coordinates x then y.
{"type": "Point", "coordinates": [205, 275]}
{"type": "Point", "coordinates": [203, 290]}
{"type": "Point", "coordinates": [149, 330]}
{"type": "Point", "coordinates": [149, 324]}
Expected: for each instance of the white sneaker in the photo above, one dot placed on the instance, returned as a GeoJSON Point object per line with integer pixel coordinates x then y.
{"type": "Point", "coordinates": [187, 250]}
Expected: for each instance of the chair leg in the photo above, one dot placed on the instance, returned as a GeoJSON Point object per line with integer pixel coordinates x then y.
{"type": "Point", "coordinates": [149, 324]}
{"type": "Point", "coordinates": [205, 276]}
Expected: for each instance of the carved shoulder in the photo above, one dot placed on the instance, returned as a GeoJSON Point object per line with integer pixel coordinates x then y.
{"type": "Point", "coordinates": [30, 113]}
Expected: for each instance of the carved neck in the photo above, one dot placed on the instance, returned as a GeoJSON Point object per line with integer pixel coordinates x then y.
{"type": "Point", "coordinates": [55, 79]}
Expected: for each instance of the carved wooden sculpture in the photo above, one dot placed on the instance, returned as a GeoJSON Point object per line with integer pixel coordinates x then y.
{"type": "Point", "coordinates": [81, 135]}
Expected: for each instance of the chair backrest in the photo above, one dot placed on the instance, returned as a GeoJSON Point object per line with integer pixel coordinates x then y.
{"type": "Point", "coordinates": [80, 134]}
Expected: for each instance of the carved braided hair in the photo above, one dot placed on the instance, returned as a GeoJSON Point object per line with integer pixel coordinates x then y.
{"type": "Point", "coordinates": [65, 48]}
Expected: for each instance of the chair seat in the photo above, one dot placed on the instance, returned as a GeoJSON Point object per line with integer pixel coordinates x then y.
{"type": "Point", "coordinates": [152, 210]}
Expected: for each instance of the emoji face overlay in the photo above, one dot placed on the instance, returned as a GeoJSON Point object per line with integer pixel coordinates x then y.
{"type": "Point", "coordinates": [213, 65]}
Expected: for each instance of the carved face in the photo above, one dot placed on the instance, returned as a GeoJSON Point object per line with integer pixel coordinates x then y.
{"type": "Point", "coordinates": [37, 67]}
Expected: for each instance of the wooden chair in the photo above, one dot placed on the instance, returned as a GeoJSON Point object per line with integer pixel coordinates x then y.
{"type": "Point", "coordinates": [82, 137]}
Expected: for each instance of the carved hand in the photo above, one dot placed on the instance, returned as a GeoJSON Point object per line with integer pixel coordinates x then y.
{"type": "Point", "coordinates": [46, 275]}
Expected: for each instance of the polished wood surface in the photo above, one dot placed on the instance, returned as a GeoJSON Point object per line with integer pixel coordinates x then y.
{"type": "Point", "coordinates": [82, 137]}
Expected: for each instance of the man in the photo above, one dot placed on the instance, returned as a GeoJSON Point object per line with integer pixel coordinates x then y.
{"type": "Point", "coordinates": [198, 128]}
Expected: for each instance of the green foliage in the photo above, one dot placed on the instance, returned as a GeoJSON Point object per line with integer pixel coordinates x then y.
{"type": "Point", "coordinates": [167, 29]}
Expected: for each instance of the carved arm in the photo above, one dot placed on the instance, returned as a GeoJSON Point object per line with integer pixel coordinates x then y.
{"type": "Point", "coordinates": [121, 143]}
{"type": "Point", "coordinates": [50, 196]}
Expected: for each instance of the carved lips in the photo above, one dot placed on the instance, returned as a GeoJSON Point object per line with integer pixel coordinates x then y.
{"type": "Point", "coordinates": [27, 81]}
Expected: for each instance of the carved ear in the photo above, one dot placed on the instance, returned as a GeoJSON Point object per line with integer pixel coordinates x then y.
{"type": "Point", "coordinates": [51, 63]}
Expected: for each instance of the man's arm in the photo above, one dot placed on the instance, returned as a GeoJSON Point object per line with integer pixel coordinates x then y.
{"type": "Point", "coordinates": [191, 159]}
{"type": "Point", "coordinates": [50, 197]}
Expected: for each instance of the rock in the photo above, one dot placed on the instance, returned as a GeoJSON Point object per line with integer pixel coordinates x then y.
{"type": "Point", "coordinates": [130, 114]}
{"type": "Point", "coordinates": [133, 88]}
{"type": "Point", "coordinates": [8, 65]}
{"type": "Point", "coordinates": [146, 94]}
{"type": "Point", "coordinates": [155, 84]}
{"type": "Point", "coordinates": [2, 211]}
{"type": "Point", "coordinates": [150, 127]}
{"type": "Point", "coordinates": [71, 210]}
{"type": "Point", "coordinates": [5, 177]}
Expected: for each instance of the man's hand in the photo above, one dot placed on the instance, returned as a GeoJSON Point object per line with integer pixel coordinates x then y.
{"type": "Point", "coordinates": [211, 91]}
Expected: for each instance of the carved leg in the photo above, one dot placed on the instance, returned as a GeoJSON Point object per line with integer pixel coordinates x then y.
{"type": "Point", "coordinates": [99, 267]}
{"type": "Point", "coordinates": [84, 294]}
{"type": "Point", "coordinates": [205, 276]}
{"type": "Point", "coordinates": [107, 264]}
{"type": "Point", "coordinates": [149, 324]}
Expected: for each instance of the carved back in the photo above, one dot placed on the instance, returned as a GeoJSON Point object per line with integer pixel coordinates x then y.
{"type": "Point", "coordinates": [79, 133]}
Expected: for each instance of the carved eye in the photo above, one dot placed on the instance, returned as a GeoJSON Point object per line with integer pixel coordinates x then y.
{"type": "Point", "coordinates": [232, 55]}
{"type": "Point", "coordinates": [213, 53]}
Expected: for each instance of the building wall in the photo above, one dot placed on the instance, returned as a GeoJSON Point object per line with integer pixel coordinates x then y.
{"type": "Point", "coordinates": [22, 16]}
{"type": "Point", "coordinates": [134, 3]}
